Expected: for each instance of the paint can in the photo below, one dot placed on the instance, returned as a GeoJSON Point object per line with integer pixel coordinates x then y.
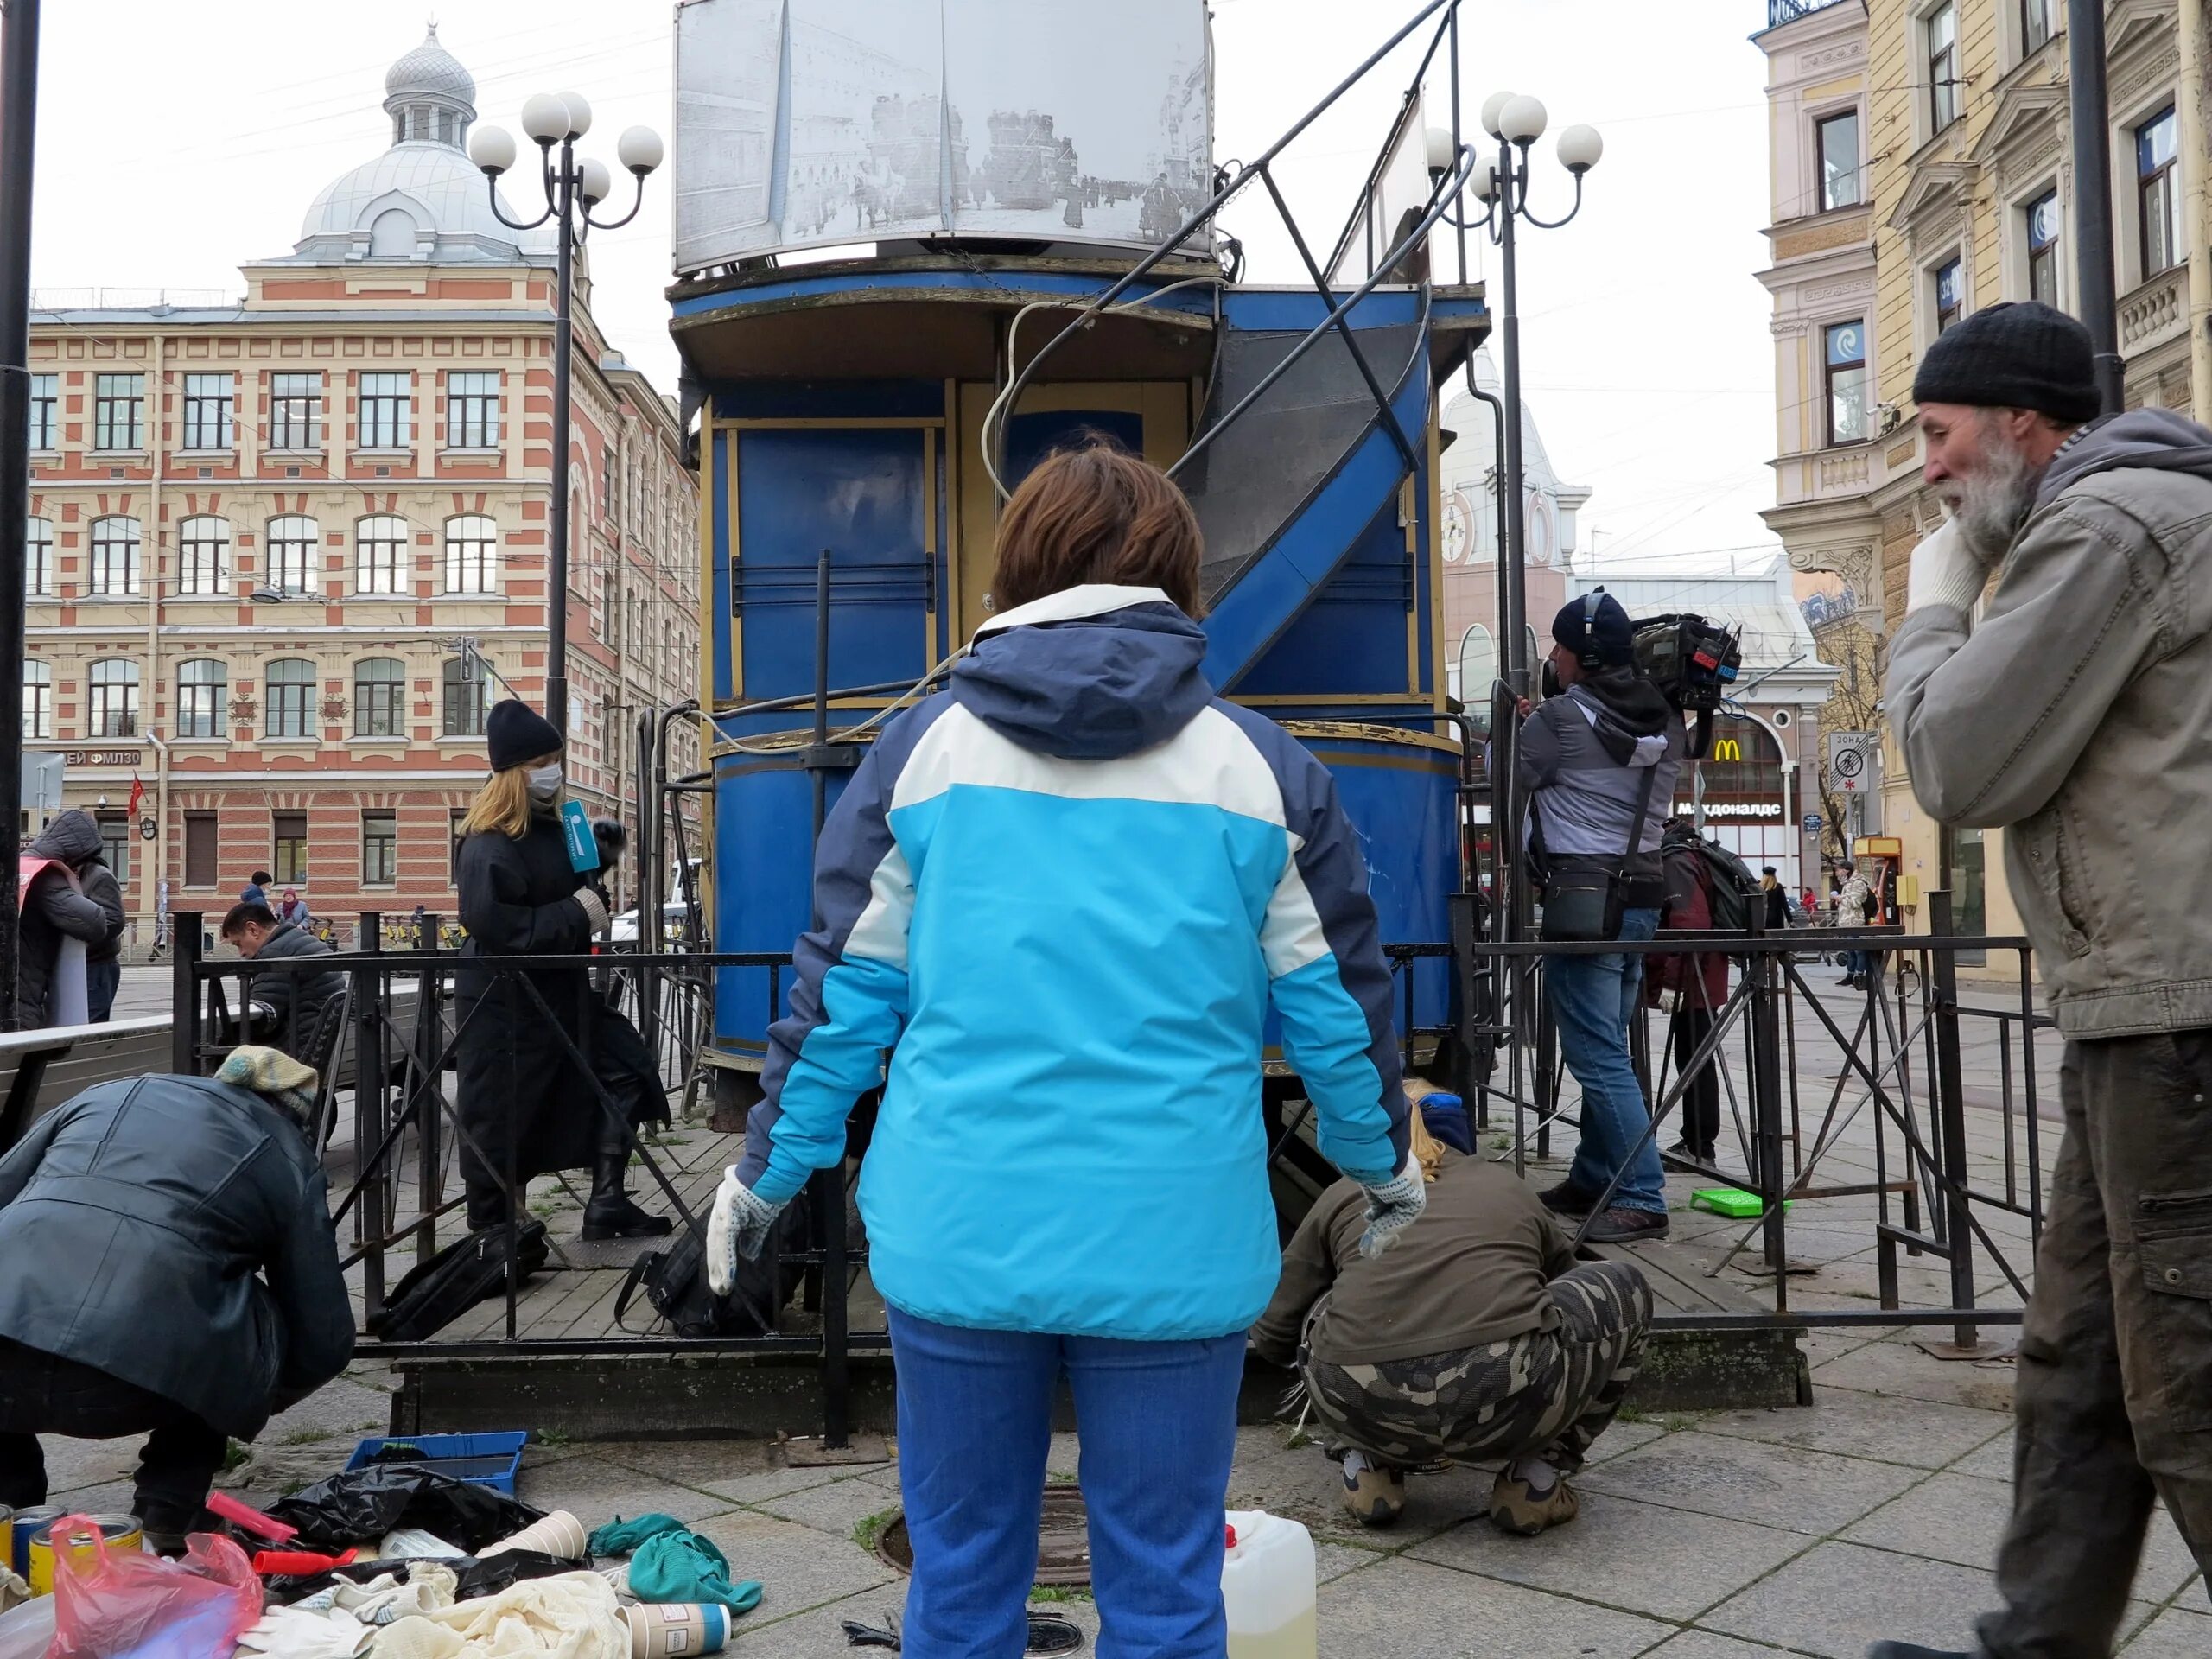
{"type": "Point", "coordinates": [77, 1539]}
{"type": "Point", "coordinates": [21, 1524]}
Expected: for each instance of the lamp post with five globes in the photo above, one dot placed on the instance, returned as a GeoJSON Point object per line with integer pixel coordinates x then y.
{"type": "Point", "coordinates": [1517, 121]}
{"type": "Point", "coordinates": [573, 188]}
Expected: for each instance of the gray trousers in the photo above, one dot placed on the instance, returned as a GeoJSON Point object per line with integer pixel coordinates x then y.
{"type": "Point", "coordinates": [2113, 1388]}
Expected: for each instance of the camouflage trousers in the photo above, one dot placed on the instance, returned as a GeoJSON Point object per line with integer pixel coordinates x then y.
{"type": "Point", "coordinates": [1549, 1392]}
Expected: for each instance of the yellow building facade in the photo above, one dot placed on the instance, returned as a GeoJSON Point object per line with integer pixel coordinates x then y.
{"type": "Point", "coordinates": [1963, 198]}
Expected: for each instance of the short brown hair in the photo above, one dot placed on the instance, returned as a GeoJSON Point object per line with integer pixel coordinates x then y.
{"type": "Point", "coordinates": [1097, 513]}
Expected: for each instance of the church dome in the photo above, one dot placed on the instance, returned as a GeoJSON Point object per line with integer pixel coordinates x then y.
{"type": "Point", "coordinates": [422, 201]}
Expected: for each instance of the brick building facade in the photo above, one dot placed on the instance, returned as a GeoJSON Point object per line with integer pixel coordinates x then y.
{"type": "Point", "coordinates": [261, 532]}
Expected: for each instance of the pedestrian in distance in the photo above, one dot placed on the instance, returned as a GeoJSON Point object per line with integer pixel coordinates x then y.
{"type": "Point", "coordinates": [1855, 906]}
{"type": "Point", "coordinates": [1065, 892]}
{"type": "Point", "coordinates": [1691, 986]}
{"type": "Point", "coordinates": [1479, 1337]}
{"type": "Point", "coordinates": [520, 1094]}
{"type": "Point", "coordinates": [255, 891]}
{"type": "Point", "coordinates": [1592, 760]}
{"type": "Point", "coordinates": [292, 910]}
{"type": "Point", "coordinates": [59, 924]}
{"type": "Point", "coordinates": [167, 1268]}
{"type": "Point", "coordinates": [282, 1010]}
{"type": "Point", "coordinates": [2076, 712]}
{"type": "Point", "coordinates": [1776, 899]}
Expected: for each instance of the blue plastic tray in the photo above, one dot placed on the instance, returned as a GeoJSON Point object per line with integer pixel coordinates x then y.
{"type": "Point", "coordinates": [487, 1459]}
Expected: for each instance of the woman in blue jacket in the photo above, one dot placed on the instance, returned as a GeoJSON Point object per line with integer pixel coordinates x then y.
{"type": "Point", "coordinates": [1065, 892]}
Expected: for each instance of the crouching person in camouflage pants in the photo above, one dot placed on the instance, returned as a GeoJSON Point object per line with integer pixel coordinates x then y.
{"type": "Point", "coordinates": [1479, 1336]}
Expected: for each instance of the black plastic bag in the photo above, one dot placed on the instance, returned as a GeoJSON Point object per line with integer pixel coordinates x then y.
{"type": "Point", "coordinates": [361, 1505]}
{"type": "Point", "coordinates": [486, 1576]}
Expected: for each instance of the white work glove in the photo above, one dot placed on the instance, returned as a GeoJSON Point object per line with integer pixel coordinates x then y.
{"type": "Point", "coordinates": [1393, 1207]}
{"type": "Point", "coordinates": [738, 1226]}
{"type": "Point", "coordinates": [1945, 571]}
{"type": "Point", "coordinates": [1670, 1001]}
{"type": "Point", "coordinates": [593, 907]}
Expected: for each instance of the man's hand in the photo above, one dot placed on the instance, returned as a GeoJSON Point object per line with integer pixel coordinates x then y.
{"type": "Point", "coordinates": [739, 1226]}
{"type": "Point", "coordinates": [1393, 1206]}
{"type": "Point", "coordinates": [1945, 570]}
{"type": "Point", "coordinates": [1524, 707]}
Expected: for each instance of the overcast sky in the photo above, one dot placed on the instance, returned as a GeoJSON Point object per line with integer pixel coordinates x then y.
{"type": "Point", "coordinates": [177, 141]}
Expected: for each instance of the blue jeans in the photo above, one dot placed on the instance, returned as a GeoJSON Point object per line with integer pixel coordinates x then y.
{"type": "Point", "coordinates": [1158, 1427]}
{"type": "Point", "coordinates": [102, 979]}
{"type": "Point", "coordinates": [1593, 999]}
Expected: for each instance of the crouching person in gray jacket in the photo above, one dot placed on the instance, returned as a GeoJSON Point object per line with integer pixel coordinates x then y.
{"type": "Point", "coordinates": [2076, 712]}
{"type": "Point", "coordinates": [167, 1268]}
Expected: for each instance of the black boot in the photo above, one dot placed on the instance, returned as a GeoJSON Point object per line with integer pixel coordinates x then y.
{"type": "Point", "coordinates": [487, 1207]}
{"type": "Point", "coordinates": [610, 1214]}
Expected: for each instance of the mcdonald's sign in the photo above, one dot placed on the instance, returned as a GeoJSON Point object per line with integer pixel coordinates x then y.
{"type": "Point", "coordinates": [1726, 748]}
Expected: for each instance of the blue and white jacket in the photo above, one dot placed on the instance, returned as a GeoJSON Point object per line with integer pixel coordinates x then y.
{"type": "Point", "coordinates": [1066, 892]}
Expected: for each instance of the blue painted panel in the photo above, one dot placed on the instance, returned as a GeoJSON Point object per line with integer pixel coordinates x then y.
{"type": "Point", "coordinates": [1266, 309]}
{"type": "Point", "coordinates": [718, 610]}
{"type": "Point", "coordinates": [1030, 438]}
{"type": "Point", "coordinates": [1351, 639]}
{"type": "Point", "coordinates": [921, 285]}
{"type": "Point", "coordinates": [764, 885]}
{"type": "Point", "coordinates": [859, 492]}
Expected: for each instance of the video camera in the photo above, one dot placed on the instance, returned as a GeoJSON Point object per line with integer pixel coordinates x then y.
{"type": "Point", "coordinates": [1691, 660]}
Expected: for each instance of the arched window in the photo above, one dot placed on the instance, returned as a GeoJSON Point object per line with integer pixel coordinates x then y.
{"type": "Point", "coordinates": [114, 700]}
{"type": "Point", "coordinates": [38, 558]}
{"type": "Point", "coordinates": [379, 555]}
{"type": "Point", "coordinates": [203, 569]}
{"type": "Point", "coordinates": [392, 235]}
{"type": "Point", "coordinates": [290, 697]}
{"type": "Point", "coordinates": [291, 544]}
{"type": "Point", "coordinates": [379, 698]}
{"type": "Point", "coordinates": [115, 558]}
{"type": "Point", "coordinates": [466, 702]}
{"type": "Point", "coordinates": [472, 554]}
{"type": "Point", "coordinates": [1477, 668]}
{"type": "Point", "coordinates": [38, 699]}
{"type": "Point", "coordinates": [199, 686]}
{"type": "Point", "coordinates": [1743, 759]}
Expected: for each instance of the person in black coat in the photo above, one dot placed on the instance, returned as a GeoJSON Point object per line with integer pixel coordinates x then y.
{"type": "Point", "coordinates": [55, 911]}
{"type": "Point", "coordinates": [520, 1094]}
{"type": "Point", "coordinates": [104, 961]}
{"type": "Point", "coordinates": [284, 1009]}
{"type": "Point", "coordinates": [167, 1264]}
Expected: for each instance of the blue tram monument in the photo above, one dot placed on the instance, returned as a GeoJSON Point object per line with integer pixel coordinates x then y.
{"type": "Point", "coordinates": [921, 243]}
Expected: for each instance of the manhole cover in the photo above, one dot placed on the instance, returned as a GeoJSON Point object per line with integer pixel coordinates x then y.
{"type": "Point", "coordinates": [1063, 1542]}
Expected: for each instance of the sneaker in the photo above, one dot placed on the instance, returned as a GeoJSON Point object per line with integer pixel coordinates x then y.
{"type": "Point", "coordinates": [1567, 1199]}
{"type": "Point", "coordinates": [1374, 1495]}
{"type": "Point", "coordinates": [1517, 1508]}
{"type": "Point", "coordinates": [1913, 1651]}
{"type": "Point", "coordinates": [1620, 1226]}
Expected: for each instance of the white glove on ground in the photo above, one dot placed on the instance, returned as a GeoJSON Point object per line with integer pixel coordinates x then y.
{"type": "Point", "coordinates": [594, 908]}
{"type": "Point", "coordinates": [1945, 571]}
{"type": "Point", "coordinates": [738, 1226]}
{"type": "Point", "coordinates": [1393, 1207]}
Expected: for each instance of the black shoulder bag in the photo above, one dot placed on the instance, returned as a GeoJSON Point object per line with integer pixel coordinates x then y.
{"type": "Point", "coordinates": [1584, 907]}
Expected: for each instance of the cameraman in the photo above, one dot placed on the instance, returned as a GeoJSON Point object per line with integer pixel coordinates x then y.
{"type": "Point", "coordinates": [1587, 757]}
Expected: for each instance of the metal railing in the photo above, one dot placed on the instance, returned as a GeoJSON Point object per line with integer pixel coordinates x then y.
{"type": "Point", "coordinates": [1779, 12]}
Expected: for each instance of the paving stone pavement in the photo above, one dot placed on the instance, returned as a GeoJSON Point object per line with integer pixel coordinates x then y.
{"type": "Point", "coordinates": [1717, 1535]}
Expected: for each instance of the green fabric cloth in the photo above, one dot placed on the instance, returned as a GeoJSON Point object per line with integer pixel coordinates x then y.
{"type": "Point", "coordinates": [620, 1537]}
{"type": "Point", "coordinates": [672, 1563]}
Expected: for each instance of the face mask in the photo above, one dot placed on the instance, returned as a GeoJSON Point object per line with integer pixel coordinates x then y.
{"type": "Point", "coordinates": [544, 784]}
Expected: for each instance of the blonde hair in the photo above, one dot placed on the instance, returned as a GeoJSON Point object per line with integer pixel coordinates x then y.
{"type": "Point", "coordinates": [1428, 1150]}
{"type": "Point", "coordinates": [502, 806]}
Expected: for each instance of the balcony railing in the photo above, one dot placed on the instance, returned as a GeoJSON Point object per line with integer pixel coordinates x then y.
{"type": "Point", "coordinates": [1779, 12]}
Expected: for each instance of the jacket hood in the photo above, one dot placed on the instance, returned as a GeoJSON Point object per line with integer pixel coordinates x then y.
{"type": "Point", "coordinates": [1631, 714]}
{"type": "Point", "coordinates": [1089, 673]}
{"type": "Point", "coordinates": [73, 837]}
{"type": "Point", "coordinates": [2156, 438]}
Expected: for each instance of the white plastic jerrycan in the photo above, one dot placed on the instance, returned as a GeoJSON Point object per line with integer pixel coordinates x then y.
{"type": "Point", "coordinates": [1267, 1584]}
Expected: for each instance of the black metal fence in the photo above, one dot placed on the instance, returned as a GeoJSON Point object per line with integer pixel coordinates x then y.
{"type": "Point", "coordinates": [1896, 1053]}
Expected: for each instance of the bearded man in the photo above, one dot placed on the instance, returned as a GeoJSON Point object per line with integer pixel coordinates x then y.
{"type": "Point", "coordinates": [2076, 713]}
